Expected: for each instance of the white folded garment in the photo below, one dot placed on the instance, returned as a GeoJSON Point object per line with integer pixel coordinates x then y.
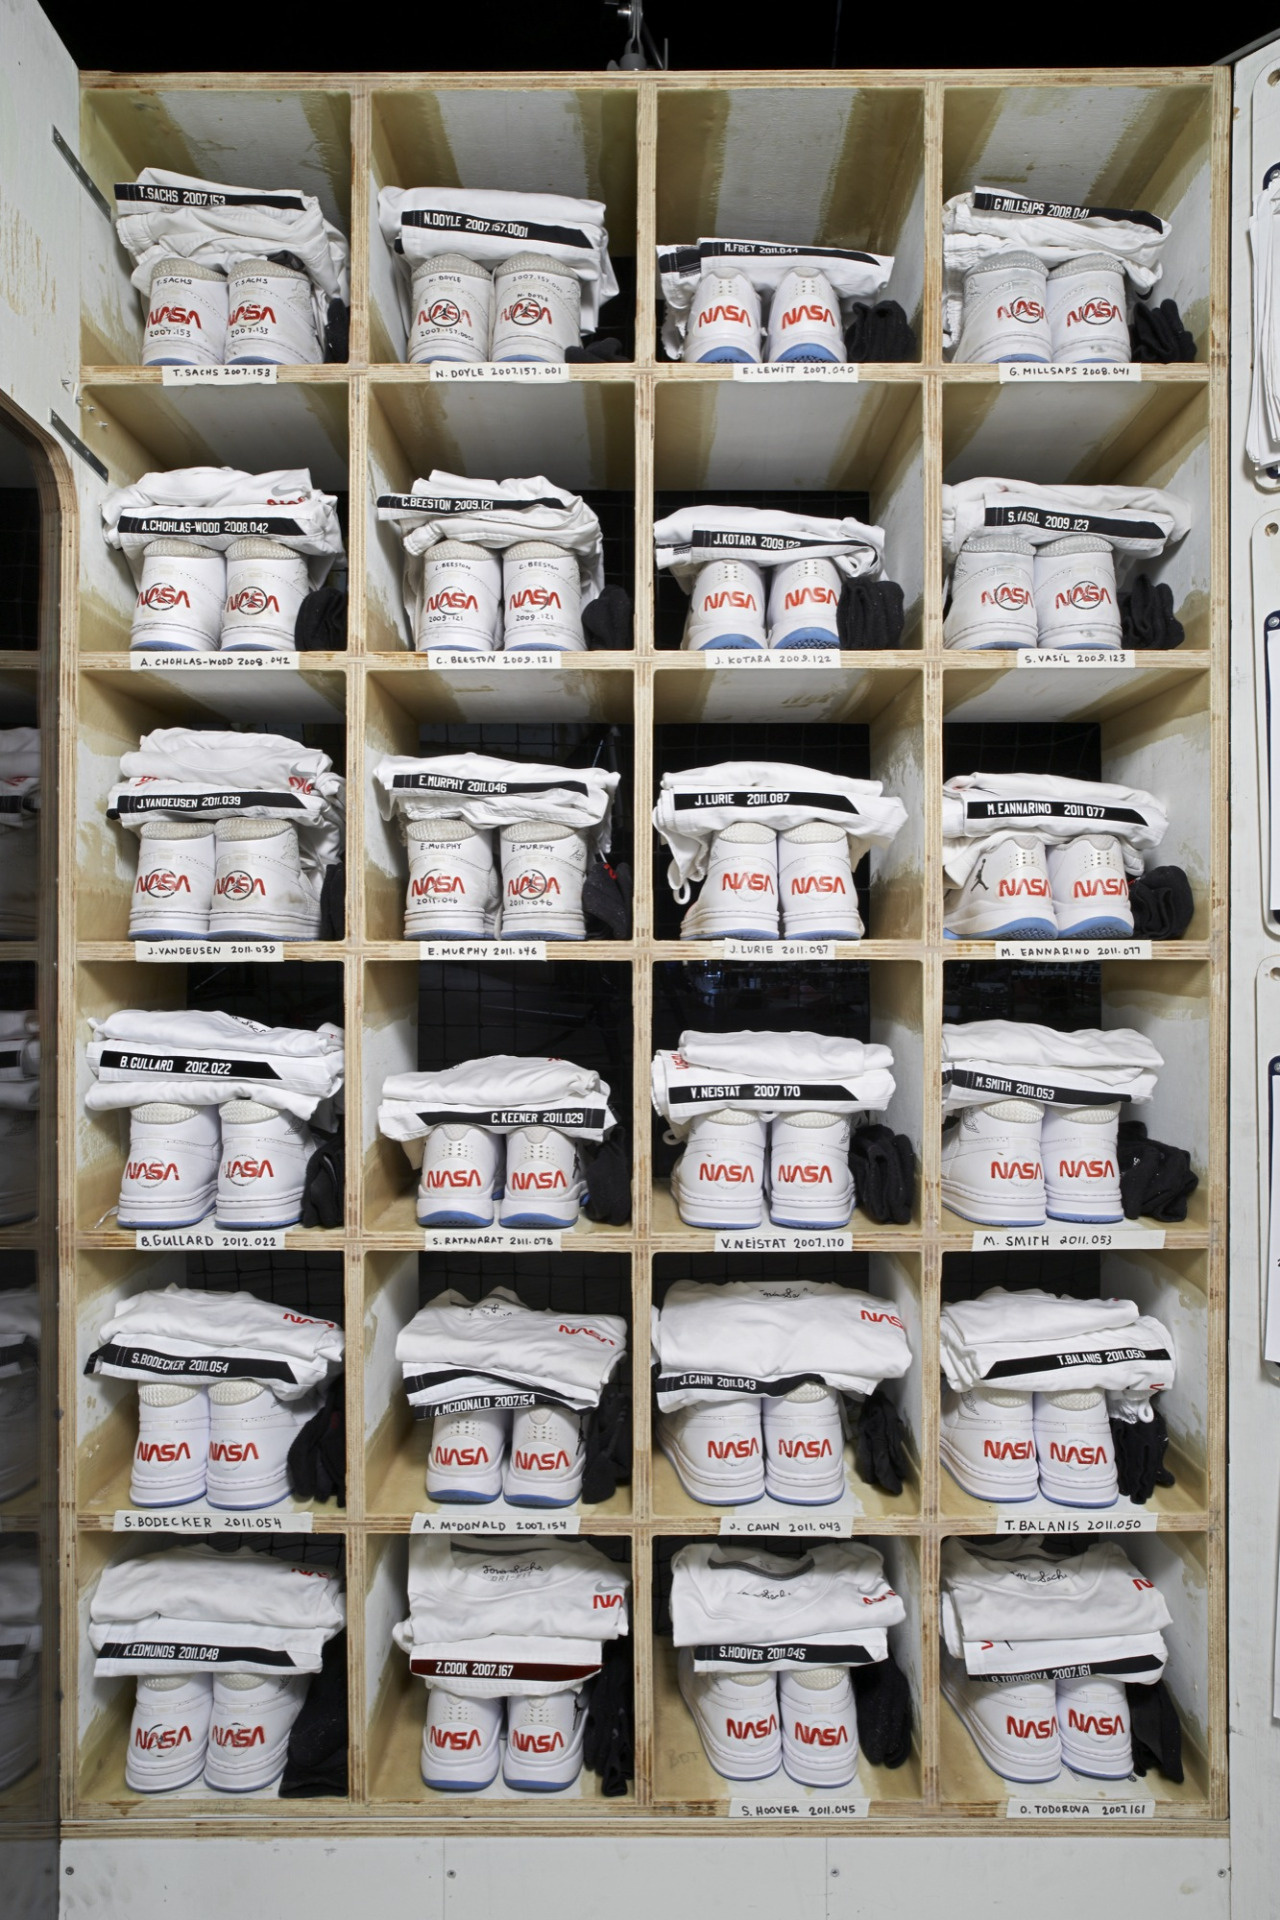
{"type": "Point", "coordinates": [739, 1606]}
{"type": "Point", "coordinates": [206, 1059]}
{"type": "Point", "coordinates": [1262, 436]}
{"type": "Point", "coordinates": [851, 273]}
{"type": "Point", "coordinates": [988, 1060]}
{"type": "Point", "coordinates": [701, 802]}
{"type": "Point", "coordinates": [21, 1632]}
{"type": "Point", "coordinates": [19, 777]}
{"type": "Point", "coordinates": [19, 1331]}
{"type": "Point", "coordinates": [495, 514]}
{"type": "Point", "coordinates": [491, 226]}
{"type": "Point", "coordinates": [716, 1339]}
{"type": "Point", "coordinates": [193, 1610]}
{"type": "Point", "coordinates": [1136, 1659]}
{"type": "Point", "coordinates": [1136, 520]}
{"type": "Point", "coordinates": [214, 506]}
{"type": "Point", "coordinates": [190, 1337]}
{"type": "Point", "coordinates": [460, 1355]}
{"type": "Point", "coordinates": [1016, 1590]}
{"type": "Point", "coordinates": [768, 1074]}
{"type": "Point", "coordinates": [767, 536]}
{"type": "Point", "coordinates": [488, 792]}
{"type": "Point", "coordinates": [163, 216]}
{"type": "Point", "coordinates": [499, 1092]}
{"type": "Point", "coordinates": [979, 810]}
{"type": "Point", "coordinates": [1051, 1343]}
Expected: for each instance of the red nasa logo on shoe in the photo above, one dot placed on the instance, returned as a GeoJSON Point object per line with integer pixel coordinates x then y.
{"type": "Point", "coordinates": [162, 880]}
{"type": "Point", "coordinates": [1028, 312]}
{"type": "Point", "coordinates": [161, 1739]}
{"type": "Point", "coordinates": [443, 313]}
{"type": "Point", "coordinates": [253, 600]}
{"type": "Point", "coordinates": [174, 317]}
{"type": "Point", "coordinates": [527, 311]}
{"type": "Point", "coordinates": [151, 1170]}
{"type": "Point", "coordinates": [1098, 312]}
{"type": "Point", "coordinates": [163, 596]}
{"type": "Point", "coordinates": [248, 1170]}
{"type": "Point", "coordinates": [532, 885]}
{"type": "Point", "coordinates": [1008, 595]}
{"type": "Point", "coordinates": [1085, 593]}
{"type": "Point", "coordinates": [238, 885]}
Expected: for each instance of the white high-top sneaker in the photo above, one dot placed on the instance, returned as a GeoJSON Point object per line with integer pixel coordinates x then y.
{"type": "Point", "coordinates": [992, 1172]}
{"type": "Point", "coordinates": [461, 1742]}
{"type": "Point", "coordinates": [1074, 1448]}
{"type": "Point", "coordinates": [544, 1184]}
{"type": "Point", "coordinates": [172, 1448]}
{"type": "Point", "coordinates": [271, 319]}
{"type": "Point", "coordinates": [815, 884]}
{"type": "Point", "coordinates": [1006, 897]}
{"type": "Point", "coordinates": [1076, 593]}
{"type": "Point", "coordinates": [174, 886]}
{"type": "Point", "coordinates": [987, 1443]}
{"type": "Point", "coordinates": [543, 593]}
{"type": "Point", "coordinates": [186, 324]}
{"type": "Point", "coordinates": [171, 1172]}
{"type": "Point", "coordinates": [993, 602]}
{"type": "Point", "coordinates": [719, 1179]}
{"type": "Point", "coordinates": [717, 1449]}
{"type": "Point", "coordinates": [260, 889]}
{"type": "Point", "coordinates": [263, 1168]}
{"type": "Point", "coordinates": [249, 1729]}
{"type": "Point", "coordinates": [1079, 1152]}
{"type": "Point", "coordinates": [736, 1715]}
{"type": "Point", "coordinates": [548, 1457]}
{"type": "Point", "coordinates": [19, 1165]}
{"type": "Point", "coordinates": [266, 584]}
{"type": "Point", "coordinates": [1090, 888]}
{"type": "Point", "coordinates": [465, 1461]}
{"type": "Point", "coordinates": [1013, 1723]}
{"type": "Point", "coordinates": [180, 597]}
{"type": "Point", "coordinates": [19, 1431]}
{"type": "Point", "coordinates": [169, 1734]}
{"type": "Point", "coordinates": [739, 897]}
{"type": "Point", "coordinates": [804, 598]}
{"type": "Point", "coordinates": [452, 310]}
{"type": "Point", "coordinates": [726, 608]}
{"type": "Point", "coordinates": [460, 1175]}
{"type": "Point", "coordinates": [724, 320]}
{"type": "Point", "coordinates": [1093, 1725]}
{"type": "Point", "coordinates": [537, 309]}
{"type": "Point", "coordinates": [804, 319]}
{"type": "Point", "coordinates": [461, 606]}
{"type": "Point", "coordinates": [545, 1735]}
{"type": "Point", "coordinates": [453, 882]}
{"type": "Point", "coordinates": [1005, 315]}
{"type": "Point", "coordinates": [819, 1726]}
{"type": "Point", "coordinates": [543, 869]}
{"type": "Point", "coordinates": [250, 1434]}
{"type": "Point", "coordinates": [1087, 311]}
{"type": "Point", "coordinates": [810, 1180]}
{"type": "Point", "coordinates": [804, 1446]}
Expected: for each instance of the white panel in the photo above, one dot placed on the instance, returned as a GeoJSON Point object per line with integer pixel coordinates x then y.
{"type": "Point", "coordinates": [1009, 1878]}
{"type": "Point", "coordinates": [682, 1879]}
{"type": "Point", "coordinates": [774, 184]}
{"type": "Point", "coordinates": [389, 1310]}
{"type": "Point", "coordinates": [41, 203]}
{"type": "Point", "coordinates": [386, 1603]}
{"type": "Point", "coordinates": [183, 1880]}
{"type": "Point", "coordinates": [533, 138]}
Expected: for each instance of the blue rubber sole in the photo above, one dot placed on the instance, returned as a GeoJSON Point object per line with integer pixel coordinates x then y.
{"type": "Point", "coordinates": [538, 1220]}
{"type": "Point", "coordinates": [464, 1499]}
{"type": "Point", "coordinates": [717, 356]}
{"type": "Point", "coordinates": [532, 1500]}
{"type": "Point", "coordinates": [1100, 930]}
{"type": "Point", "coordinates": [1013, 930]}
{"type": "Point", "coordinates": [458, 1786]}
{"type": "Point", "coordinates": [793, 354]}
{"type": "Point", "coordinates": [538, 1786]}
{"type": "Point", "coordinates": [732, 642]}
{"type": "Point", "coordinates": [454, 1219]}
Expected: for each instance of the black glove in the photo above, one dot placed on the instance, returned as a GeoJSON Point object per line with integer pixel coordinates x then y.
{"type": "Point", "coordinates": [324, 1189]}
{"type": "Point", "coordinates": [606, 896]}
{"type": "Point", "coordinates": [1155, 1731]}
{"type": "Point", "coordinates": [318, 1456]}
{"type": "Point", "coordinates": [607, 1439]}
{"type": "Point", "coordinates": [608, 1746]}
{"type": "Point", "coordinates": [1157, 335]}
{"type": "Point", "coordinates": [606, 620]}
{"type": "Point", "coordinates": [607, 1171]}
{"type": "Point", "coordinates": [870, 614]}
{"type": "Point", "coordinates": [317, 1762]}
{"type": "Point", "coordinates": [597, 346]}
{"type": "Point", "coordinates": [321, 625]}
{"type": "Point", "coordinates": [333, 903]}
{"type": "Point", "coordinates": [1147, 619]}
{"type": "Point", "coordinates": [1155, 1179]}
{"type": "Point", "coordinates": [1162, 903]}
{"type": "Point", "coordinates": [883, 1700]}
{"type": "Point", "coordinates": [884, 1174]}
{"type": "Point", "coordinates": [337, 332]}
{"type": "Point", "coordinates": [879, 1443]}
{"type": "Point", "coordinates": [1140, 1449]}
{"type": "Point", "coordinates": [879, 332]}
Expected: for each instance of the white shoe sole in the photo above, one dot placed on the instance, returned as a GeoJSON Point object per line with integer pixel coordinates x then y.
{"type": "Point", "coordinates": [712, 1214]}
{"type": "Point", "coordinates": [976, 1207]}
{"type": "Point", "coordinates": [797, 1493]}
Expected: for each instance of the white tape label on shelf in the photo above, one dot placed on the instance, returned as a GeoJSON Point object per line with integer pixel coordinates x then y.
{"type": "Point", "coordinates": [1054, 1520]}
{"type": "Point", "coordinates": [1064, 1238]}
{"type": "Point", "coordinates": [1040, 1806]}
{"type": "Point", "coordinates": [498, 1517]}
{"type": "Point", "coordinates": [779, 949]}
{"type": "Point", "coordinates": [1093, 370]}
{"type": "Point", "coordinates": [220, 950]}
{"type": "Point", "coordinates": [441, 659]}
{"type": "Point", "coordinates": [843, 370]}
{"type": "Point", "coordinates": [481, 949]}
{"type": "Point", "coordinates": [217, 376]}
{"type": "Point", "coordinates": [824, 659]}
{"type": "Point", "coordinates": [515, 371]}
{"type": "Point", "coordinates": [210, 1239]}
{"type": "Point", "coordinates": [1046, 659]}
{"type": "Point", "coordinates": [783, 1240]}
{"type": "Point", "coordinates": [492, 1240]}
{"type": "Point", "coordinates": [145, 662]}
{"type": "Point", "coordinates": [826, 1526]}
{"type": "Point", "coordinates": [1072, 951]}
{"type": "Point", "coordinates": [206, 1520]}
{"type": "Point", "coordinates": [798, 1803]}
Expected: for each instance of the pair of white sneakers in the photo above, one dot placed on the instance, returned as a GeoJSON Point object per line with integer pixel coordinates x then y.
{"type": "Point", "coordinates": [228, 879]}
{"type": "Point", "coordinates": [245, 1162]}
{"type": "Point", "coordinates": [193, 600]}
{"type": "Point", "coordinates": [525, 600]}
{"type": "Point", "coordinates": [728, 607]}
{"type": "Point", "coordinates": [1006, 593]}
{"type": "Point", "coordinates": [757, 878]}
{"type": "Point", "coordinates": [802, 1719]}
{"type": "Point", "coordinates": [534, 1456]}
{"type": "Point", "coordinates": [1028, 1730]}
{"type": "Point", "coordinates": [527, 308]}
{"type": "Point", "coordinates": [463, 1747]}
{"type": "Point", "coordinates": [1022, 890]}
{"type": "Point", "coordinates": [228, 1442]}
{"type": "Point", "coordinates": [1015, 1163]}
{"type": "Point", "coordinates": [725, 324]}
{"type": "Point", "coordinates": [260, 313]}
{"type": "Point", "coordinates": [729, 1453]}
{"type": "Point", "coordinates": [1002, 1444]}
{"type": "Point", "coordinates": [530, 1177]}
{"type": "Point", "coordinates": [1016, 308]}
{"type": "Point", "coordinates": [231, 1728]}
{"type": "Point", "coordinates": [734, 1162]}
{"type": "Point", "coordinates": [459, 890]}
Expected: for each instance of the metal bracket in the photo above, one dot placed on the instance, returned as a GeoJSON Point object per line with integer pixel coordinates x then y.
{"type": "Point", "coordinates": [98, 198]}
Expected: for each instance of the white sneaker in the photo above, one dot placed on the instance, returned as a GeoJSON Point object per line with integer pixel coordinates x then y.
{"type": "Point", "coordinates": [544, 866]}
{"type": "Point", "coordinates": [271, 318]}
{"type": "Point", "coordinates": [1079, 1151]}
{"type": "Point", "coordinates": [1076, 593]}
{"type": "Point", "coordinates": [718, 1181]}
{"type": "Point", "coordinates": [819, 1726]}
{"type": "Point", "coordinates": [1087, 311]}
{"type": "Point", "coordinates": [739, 897]}
{"type": "Point", "coordinates": [804, 319]}
{"type": "Point", "coordinates": [724, 320]}
{"type": "Point", "coordinates": [460, 1175]}
{"type": "Point", "coordinates": [1013, 1724]}
{"type": "Point", "coordinates": [172, 1448]}
{"type": "Point", "coordinates": [461, 1742]}
{"type": "Point", "coordinates": [253, 1715]}
{"type": "Point", "coordinates": [465, 1461]}
{"type": "Point", "coordinates": [180, 598]}
{"type": "Point", "coordinates": [19, 1165]}
{"type": "Point", "coordinates": [1007, 896]}
{"type": "Point", "coordinates": [992, 1172]}
{"type": "Point", "coordinates": [804, 598]}
{"type": "Point", "coordinates": [1005, 314]}
{"type": "Point", "coordinates": [810, 1180]}
{"type": "Point", "coordinates": [1091, 889]}
{"type": "Point", "coordinates": [1075, 1450]}
{"type": "Point", "coordinates": [804, 1446]}
{"type": "Point", "coordinates": [266, 584]}
{"type": "Point", "coordinates": [169, 1733]}
{"type": "Point", "coordinates": [263, 1169]}
{"type": "Point", "coordinates": [1093, 1725]}
{"type": "Point", "coordinates": [993, 602]}
{"type": "Point", "coordinates": [547, 1460]}
{"type": "Point", "coordinates": [260, 891]}
{"type": "Point", "coordinates": [186, 324]}
{"type": "Point", "coordinates": [726, 608]}
{"type": "Point", "coordinates": [171, 1173]}
{"type": "Point", "coordinates": [542, 590]}
{"type": "Point", "coordinates": [537, 309]}
{"type": "Point", "coordinates": [250, 1434]}
{"type": "Point", "coordinates": [452, 310]}
{"type": "Point", "coordinates": [173, 890]}
{"type": "Point", "coordinates": [544, 1185]}
{"type": "Point", "coordinates": [461, 607]}
{"type": "Point", "coordinates": [545, 1737]}
{"type": "Point", "coordinates": [815, 884]}
{"type": "Point", "coordinates": [453, 883]}
{"type": "Point", "coordinates": [717, 1450]}
{"type": "Point", "coordinates": [987, 1443]}
{"type": "Point", "coordinates": [19, 1430]}
{"type": "Point", "coordinates": [736, 1715]}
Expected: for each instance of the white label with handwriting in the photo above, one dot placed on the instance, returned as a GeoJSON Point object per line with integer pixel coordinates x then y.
{"type": "Point", "coordinates": [516, 372]}
{"type": "Point", "coordinates": [1053, 1520]}
{"type": "Point", "coordinates": [1072, 951]}
{"type": "Point", "coordinates": [779, 949]}
{"type": "Point", "coordinates": [443, 659]}
{"type": "Point", "coordinates": [144, 662]}
{"type": "Point", "coordinates": [782, 1240]}
{"type": "Point", "coordinates": [198, 950]}
{"type": "Point", "coordinates": [1057, 1238]}
{"type": "Point", "coordinates": [498, 1517]}
{"type": "Point", "coordinates": [1042, 659]}
{"type": "Point", "coordinates": [492, 1240]}
{"type": "Point", "coordinates": [842, 370]}
{"type": "Point", "coordinates": [206, 1520]}
{"type": "Point", "coordinates": [761, 661]}
{"type": "Point", "coordinates": [481, 949]}
{"type": "Point", "coordinates": [217, 376]}
{"type": "Point", "coordinates": [1015, 370]}
{"type": "Point", "coordinates": [210, 1239]}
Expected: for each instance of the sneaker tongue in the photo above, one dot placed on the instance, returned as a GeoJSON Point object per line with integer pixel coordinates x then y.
{"type": "Point", "coordinates": [1077, 1402]}
{"type": "Point", "coordinates": [809, 1392]}
{"type": "Point", "coordinates": [820, 1679]}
